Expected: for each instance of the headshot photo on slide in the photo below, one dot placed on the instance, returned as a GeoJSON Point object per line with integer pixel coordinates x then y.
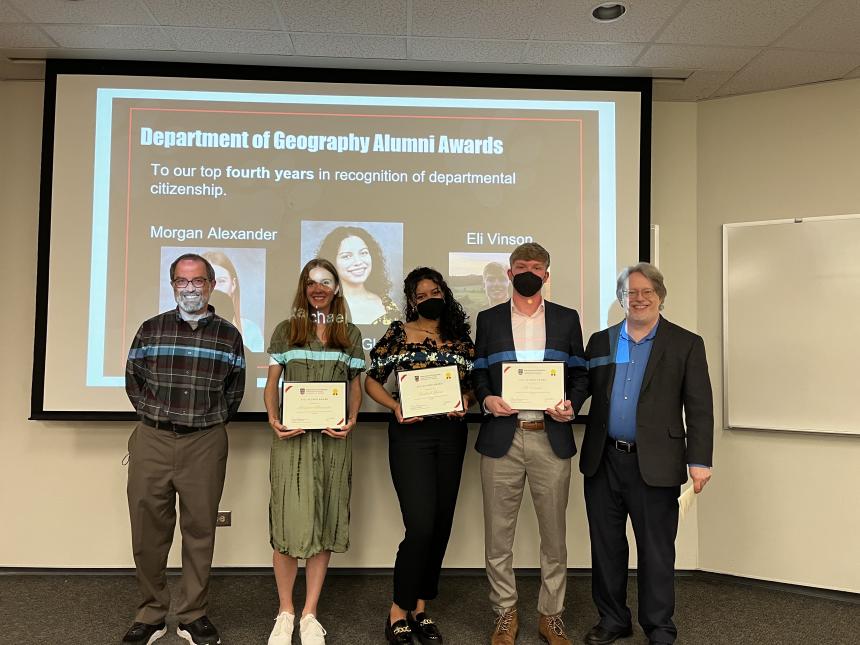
{"type": "Point", "coordinates": [369, 261]}
{"type": "Point", "coordinates": [240, 277]}
{"type": "Point", "coordinates": [479, 280]}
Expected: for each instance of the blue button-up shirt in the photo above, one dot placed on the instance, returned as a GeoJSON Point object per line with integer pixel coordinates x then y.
{"type": "Point", "coordinates": [630, 361]}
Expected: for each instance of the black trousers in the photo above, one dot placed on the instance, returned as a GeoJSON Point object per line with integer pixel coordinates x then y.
{"type": "Point", "coordinates": [426, 461]}
{"type": "Point", "coordinates": [615, 491]}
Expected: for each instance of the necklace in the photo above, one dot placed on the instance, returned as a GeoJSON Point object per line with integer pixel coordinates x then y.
{"type": "Point", "coordinates": [426, 331]}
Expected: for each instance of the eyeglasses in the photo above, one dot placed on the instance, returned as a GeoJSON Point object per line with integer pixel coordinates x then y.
{"type": "Point", "coordinates": [181, 283]}
{"type": "Point", "coordinates": [635, 293]}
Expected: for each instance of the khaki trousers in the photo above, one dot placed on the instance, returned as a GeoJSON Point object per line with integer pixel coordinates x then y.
{"type": "Point", "coordinates": [161, 465]}
{"type": "Point", "coordinates": [503, 481]}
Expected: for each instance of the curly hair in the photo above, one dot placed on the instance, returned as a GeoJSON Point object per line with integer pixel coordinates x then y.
{"type": "Point", "coordinates": [378, 281]}
{"type": "Point", "coordinates": [453, 324]}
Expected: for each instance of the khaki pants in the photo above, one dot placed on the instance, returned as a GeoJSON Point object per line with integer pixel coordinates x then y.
{"type": "Point", "coordinates": [503, 481]}
{"type": "Point", "coordinates": [161, 465]}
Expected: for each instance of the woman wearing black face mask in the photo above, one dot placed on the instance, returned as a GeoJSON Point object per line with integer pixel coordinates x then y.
{"type": "Point", "coordinates": [425, 454]}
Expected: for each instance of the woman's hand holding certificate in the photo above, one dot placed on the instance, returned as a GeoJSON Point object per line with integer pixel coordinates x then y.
{"type": "Point", "coordinates": [314, 406]}
{"type": "Point", "coordinates": [429, 391]}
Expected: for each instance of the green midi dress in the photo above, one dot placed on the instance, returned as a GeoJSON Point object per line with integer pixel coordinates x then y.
{"type": "Point", "coordinates": [311, 474]}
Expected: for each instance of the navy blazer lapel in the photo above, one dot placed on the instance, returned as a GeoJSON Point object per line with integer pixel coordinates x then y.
{"type": "Point", "coordinates": [549, 323]}
{"type": "Point", "coordinates": [660, 341]}
{"type": "Point", "coordinates": [505, 326]}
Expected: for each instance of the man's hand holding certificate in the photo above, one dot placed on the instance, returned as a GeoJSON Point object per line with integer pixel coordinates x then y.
{"type": "Point", "coordinates": [429, 391]}
{"type": "Point", "coordinates": [314, 406]}
{"type": "Point", "coordinates": [533, 386]}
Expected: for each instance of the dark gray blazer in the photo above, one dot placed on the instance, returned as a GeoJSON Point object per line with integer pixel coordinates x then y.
{"type": "Point", "coordinates": [676, 379]}
{"type": "Point", "coordinates": [494, 344]}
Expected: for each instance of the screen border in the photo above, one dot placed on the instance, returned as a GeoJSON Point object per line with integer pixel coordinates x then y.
{"type": "Point", "coordinates": [56, 67]}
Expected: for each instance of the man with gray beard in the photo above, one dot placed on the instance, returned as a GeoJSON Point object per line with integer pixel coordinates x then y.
{"type": "Point", "coordinates": [185, 377]}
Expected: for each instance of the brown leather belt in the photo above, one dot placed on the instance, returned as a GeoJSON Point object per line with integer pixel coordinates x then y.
{"type": "Point", "coordinates": [530, 425]}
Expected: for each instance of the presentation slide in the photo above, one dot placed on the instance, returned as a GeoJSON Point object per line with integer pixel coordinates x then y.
{"type": "Point", "coordinates": [261, 176]}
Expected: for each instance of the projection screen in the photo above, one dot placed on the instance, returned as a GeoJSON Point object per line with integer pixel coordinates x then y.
{"type": "Point", "coordinates": [261, 169]}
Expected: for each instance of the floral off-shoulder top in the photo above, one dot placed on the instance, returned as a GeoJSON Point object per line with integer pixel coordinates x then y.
{"type": "Point", "coordinates": [393, 352]}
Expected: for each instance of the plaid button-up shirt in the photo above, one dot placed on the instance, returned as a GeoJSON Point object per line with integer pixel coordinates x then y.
{"type": "Point", "coordinates": [191, 377]}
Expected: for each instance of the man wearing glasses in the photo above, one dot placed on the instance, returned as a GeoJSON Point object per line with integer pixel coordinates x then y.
{"type": "Point", "coordinates": [185, 376]}
{"type": "Point", "coordinates": [647, 377]}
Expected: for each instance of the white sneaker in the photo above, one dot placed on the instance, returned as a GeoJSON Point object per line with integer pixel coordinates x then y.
{"type": "Point", "coordinates": [311, 631]}
{"type": "Point", "coordinates": [282, 632]}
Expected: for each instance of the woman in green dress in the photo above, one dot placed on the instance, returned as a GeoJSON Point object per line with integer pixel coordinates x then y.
{"type": "Point", "coordinates": [311, 471]}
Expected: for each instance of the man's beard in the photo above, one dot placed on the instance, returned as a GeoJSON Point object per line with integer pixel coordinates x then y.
{"type": "Point", "coordinates": [191, 302]}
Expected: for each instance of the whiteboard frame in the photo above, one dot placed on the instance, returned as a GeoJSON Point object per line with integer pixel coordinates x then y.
{"type": "Point", "coordinates": [725, 329]}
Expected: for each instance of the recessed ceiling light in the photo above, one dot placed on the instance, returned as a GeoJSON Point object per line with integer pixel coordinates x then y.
{"type": "Point", "coordinates": [608, 11]}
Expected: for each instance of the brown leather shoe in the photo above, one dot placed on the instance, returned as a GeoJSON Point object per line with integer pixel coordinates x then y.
{"type": "Point", "coordinates": [551, 630]}
{"type": "Point", "coordinates": [506, 629]}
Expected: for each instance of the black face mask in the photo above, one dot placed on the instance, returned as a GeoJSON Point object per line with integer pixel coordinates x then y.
{"type": "Point", "coordinates": [431, 309]}
{"type": "Point", "coordinates": [527, 283]}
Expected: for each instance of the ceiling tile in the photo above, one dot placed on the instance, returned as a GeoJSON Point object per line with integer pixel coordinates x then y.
{"type": "Point", "coordinates": [582, 54]}
{"type": "Point", "coordinates": [23, 36]}
{"type": "Point", "coordinates": [460, 49]}
{"type": "Point", "coordinates": [700, 85]}
{"type": "Point", "coordinates": [349, 46]}
{"type": "Point", "coordinates": [734, 22]}
{"type": "Point", "coordinates": [345, 16]}
{"type": "Point", "coordinates": [226, 14]}
{"type": "Point", "coordinates": [502, 19]}
{"type": "Point", "coordinates": [571, 20]}
{"type": "Point", "coordinates": [231, 40]}
{"type": "Point", "coordinates": [95, 12]}
{"type": "Point", "coordinates": [690, 56]}
{"type": "Point", "coordinates": [9, 14]}
{"type": "Point", "coordinates": [110, 37]}
{"type": "Point", "coordinates": [779, 68]}
{"type": "Point", "coordinates": [833, 26]}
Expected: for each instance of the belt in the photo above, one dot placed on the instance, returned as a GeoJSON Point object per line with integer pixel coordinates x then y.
{"type": "Point", "coordinates": [173, 427]}
{"type": "Point", "coordinates": [621, 446]}
{"type": "Point", "coordinates": [530, 425]}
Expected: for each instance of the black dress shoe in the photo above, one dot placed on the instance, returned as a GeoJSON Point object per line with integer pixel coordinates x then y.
{"type": "Point", "coordinates": [599, 635]}
{"type": "Point", "coordinates": [425, 629]}
{"type": "Point", "coordinates": [144, 634]}
{"type": "Point", "coordinates": [399, 633]}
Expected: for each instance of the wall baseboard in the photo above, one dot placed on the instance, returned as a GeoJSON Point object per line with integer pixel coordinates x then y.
{"type": "Point", "coordinates": [815, 592]}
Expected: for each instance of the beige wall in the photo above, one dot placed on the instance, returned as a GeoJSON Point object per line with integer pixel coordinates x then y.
{"type": "Point", "coordinates": [782, 506]}
{"type": "Point", "coordinates": [62, 485]}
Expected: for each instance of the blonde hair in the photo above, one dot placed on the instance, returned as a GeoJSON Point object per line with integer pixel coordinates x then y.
{"type": "Point", "coordinates": [530, 251]}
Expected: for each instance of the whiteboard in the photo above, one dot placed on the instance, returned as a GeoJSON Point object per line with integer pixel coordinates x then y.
{"type": "Point", "coordinates": [791, 325]}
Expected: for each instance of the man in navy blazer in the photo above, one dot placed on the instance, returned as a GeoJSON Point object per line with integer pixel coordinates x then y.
{"type": "Point", "coordinates": [533, 445]}
{"type": "Point", "coordinates": [643, 374]}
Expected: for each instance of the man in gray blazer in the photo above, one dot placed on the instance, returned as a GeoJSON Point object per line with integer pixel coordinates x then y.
{"type": "Point", "coordinates": [643, 374]}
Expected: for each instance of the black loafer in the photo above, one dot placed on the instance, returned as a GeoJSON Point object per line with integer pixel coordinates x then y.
{"type": "Point", "coordinates": [425, 629]}
{"type": "Point", "coordinates": [399, 633]}
{"type": "Point", "coordinates": [599, 635]}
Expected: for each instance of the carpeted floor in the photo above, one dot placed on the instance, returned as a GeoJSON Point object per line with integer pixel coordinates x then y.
{"type": "Point", "coordinates": [97, 609]}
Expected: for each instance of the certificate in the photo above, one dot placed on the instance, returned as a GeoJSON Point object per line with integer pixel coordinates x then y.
{"type": "Point", "coordinates": [313, 406]}
{"type": "Point", "coordinates": [429, 391]}
{"type": "Point", "coordinates": [533, 386]}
